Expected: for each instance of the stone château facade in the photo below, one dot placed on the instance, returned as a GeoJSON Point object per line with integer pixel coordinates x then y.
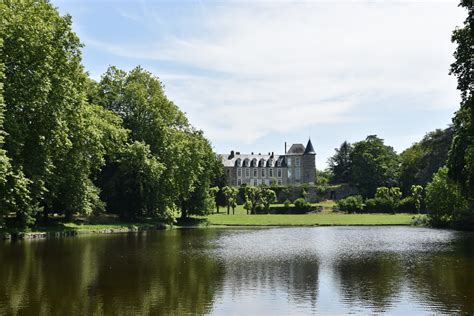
{"type": "Point", "coordinates": [297, 166]}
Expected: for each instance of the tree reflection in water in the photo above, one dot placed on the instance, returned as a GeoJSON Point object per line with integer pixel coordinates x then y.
{"type": "Point", "coordinates": [220, 271]}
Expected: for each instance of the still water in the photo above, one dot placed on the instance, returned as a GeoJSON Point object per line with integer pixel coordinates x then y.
{"type": "Point", "coordinates": [273, 271]}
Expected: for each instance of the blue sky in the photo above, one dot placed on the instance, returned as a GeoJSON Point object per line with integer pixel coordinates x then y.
{"type": "Point", "coordinates": [254, 74]}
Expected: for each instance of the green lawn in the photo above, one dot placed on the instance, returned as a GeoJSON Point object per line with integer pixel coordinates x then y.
{"type": "Point", "coordinates": [309, 219]}
{"type": "Point", "coordinates": [326, 217]}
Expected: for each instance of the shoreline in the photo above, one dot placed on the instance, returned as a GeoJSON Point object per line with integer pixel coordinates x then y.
{"type": "Point", "coordinates": [44, 234]}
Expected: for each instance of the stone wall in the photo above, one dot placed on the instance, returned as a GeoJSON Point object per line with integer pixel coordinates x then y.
{"type": "Point", "coordinates": [340, 191]}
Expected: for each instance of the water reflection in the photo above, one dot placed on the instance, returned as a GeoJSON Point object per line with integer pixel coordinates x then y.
{"type": "Point", "coordinates": [374, 282]}
{"type": "Point", "coordinates": [116, 275]}
{"type": "Point", "coordinates": [362, 270]}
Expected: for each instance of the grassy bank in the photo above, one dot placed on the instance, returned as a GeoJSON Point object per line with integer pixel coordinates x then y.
{"type": "Point", "coordinates": [58, 229]}
{"type": "Point", "coordinates": [323, 219]}
{"type": "Point", "coordinates": [107, 225]}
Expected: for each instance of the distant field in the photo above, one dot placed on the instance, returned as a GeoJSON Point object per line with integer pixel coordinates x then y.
{"type": "Point", "coordinates": [326, 217]}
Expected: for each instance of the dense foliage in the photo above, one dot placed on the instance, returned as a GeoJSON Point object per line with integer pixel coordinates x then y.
{"type": "Point", "coordinates": [461, 156]}
{"type": "Point", "coordinates": [444, 200]}
{"type": "Point", "coordinates": [71, 146]}
{"type": "Point", "coordinates": [386, 200]}
{"type": "Point", "coordinates": [351, 204]}
{"type": "Point", "coordinates": [340, 164]}
{"type": "Point", "coordinates": [450, 197]}
{"type": "Point", "coordinates": [423, 159]}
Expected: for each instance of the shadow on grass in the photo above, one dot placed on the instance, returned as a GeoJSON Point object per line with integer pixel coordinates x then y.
{"type": "Point", "coordinates": [192, 221]}
{"type": "Point", "coordinates": [58, 226]}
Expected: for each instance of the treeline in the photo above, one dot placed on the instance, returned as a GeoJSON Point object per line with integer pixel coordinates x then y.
{"type": "Point", "coordinates": [70, 145]}
{"type": "Point", "coordinates": [442, 163]}
{"type": "Point", "coordinates": [370, 163]}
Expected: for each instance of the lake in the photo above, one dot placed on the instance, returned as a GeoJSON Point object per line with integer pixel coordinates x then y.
{"type": "Point", "coordinates": [266, 271]}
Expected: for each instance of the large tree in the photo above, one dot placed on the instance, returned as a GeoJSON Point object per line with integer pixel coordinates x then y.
{"type": "Point", "coordinates": [188, 161]}
{"type": "Point", "coordinates": [340, 163]}
{"type": "Point", "coordinates": [44, 107]}
{"type": "Point", "coordinates": [419, 162]}
{"type": "Point", "coordinates": [373, 164]}
{"type": "Point", "coordinates": [461, 156]}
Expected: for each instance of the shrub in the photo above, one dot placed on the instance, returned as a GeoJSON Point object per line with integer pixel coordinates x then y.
{"type": "Point", "coordinates": [301, 204]}
{"type": "Point", "coordinates": [287, 203]}
{"type": "Point", "coordinates": [378, 205]}
{"type": "Point", "coordinates": [351, 204]}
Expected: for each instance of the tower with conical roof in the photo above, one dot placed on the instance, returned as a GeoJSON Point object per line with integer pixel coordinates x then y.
{"type": "Point", "coordinates": [309, 163]}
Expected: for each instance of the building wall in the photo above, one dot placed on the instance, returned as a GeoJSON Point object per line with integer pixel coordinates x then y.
{"type": "Point", "coordinates": [309, 168]}
{"type": "Point", "coordinates": [254, 175]}
{"type": "Point", "coordinates": [299, 169]}
{"type": "Point", "coordinates": [295, 169]}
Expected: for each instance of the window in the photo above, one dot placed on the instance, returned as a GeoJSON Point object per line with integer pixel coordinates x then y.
{"type": "Point", "coordinates": [263, 172]}
{"type": "Point", "coordinates": [252, 181]}
{"type": "Point", "coordinates": [279, 173]}
{"type": "Point", "coordinates": [267, 182]}
{"type": "Point", "coordinates": [259, 181]}
{"type": "Point", "coordinates": [255, 173]}
{"type": "Point", "coordinates": [297, 161]}
{"type": "Point", "coordinates": [270, 173]}
{"type": "Point", "coordinates": [239, 182]}
{"type": "Point", "coordinates": [247, 172]}
{"type": "Point", "coordinates": [297, 173]}
{"type": "Point", "coordinates": [279, 182]}
{"type": "Point", "coordinates": [288, 161]}
{"type": "Point", "coordinates": [239, 172]}
{"type": "Point", "coordinates": [289, 173]}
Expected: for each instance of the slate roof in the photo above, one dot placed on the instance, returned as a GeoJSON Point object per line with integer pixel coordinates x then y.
{"type": "Point", "coordinates": [296, 149]}
{"type": "Point", "coordinates": [258, 160]}
{"type": "Point", "coordinates": [255, 160]}
{"type": "Point", "coordinates": [309, 148]}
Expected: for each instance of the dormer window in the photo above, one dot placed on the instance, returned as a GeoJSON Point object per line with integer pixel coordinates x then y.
{"type": "Point", "coordinates": [238, 163]}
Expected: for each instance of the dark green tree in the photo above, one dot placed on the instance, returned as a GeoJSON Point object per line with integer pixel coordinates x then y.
{"type": "Point", "coordinates": [419, 162]}
{"type": "Point", "coordinates": [444, 200]}
{"type": "Point", "coordinates": [130, 183]}
{"type": "Point", "coordinates": [374, 165]}
{"type": "Point", "coordinates": [189, 164]}
{"type": "Point", "coordinates": [340, 164]}
{"type": "Point", "coordinates": [45, 111]}
{"type": "Point", "coordinates": [461, 155]}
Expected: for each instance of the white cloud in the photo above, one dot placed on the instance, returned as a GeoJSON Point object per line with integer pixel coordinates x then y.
{"type": "Point", "coordinates": [272, 66]}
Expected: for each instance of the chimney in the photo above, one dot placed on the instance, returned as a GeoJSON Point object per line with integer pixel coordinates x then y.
{"type": "Point", "coordinates": [231, 154]}
{"type": "Point", "coordinates": [285, 148]}
{"type": "Point", "coordinates": [273, 155]}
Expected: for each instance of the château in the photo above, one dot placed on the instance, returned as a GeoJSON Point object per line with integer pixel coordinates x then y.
{"type": "Point", "coordinates": [297, 166]}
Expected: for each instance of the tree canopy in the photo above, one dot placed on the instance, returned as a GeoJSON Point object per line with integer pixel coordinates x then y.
{"type": "Point", "coordinates": [70, 145]}
{"type": "Point", "coordinates": [419, 162]}
{"type": "Point", "coordinates": [373, 164]}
